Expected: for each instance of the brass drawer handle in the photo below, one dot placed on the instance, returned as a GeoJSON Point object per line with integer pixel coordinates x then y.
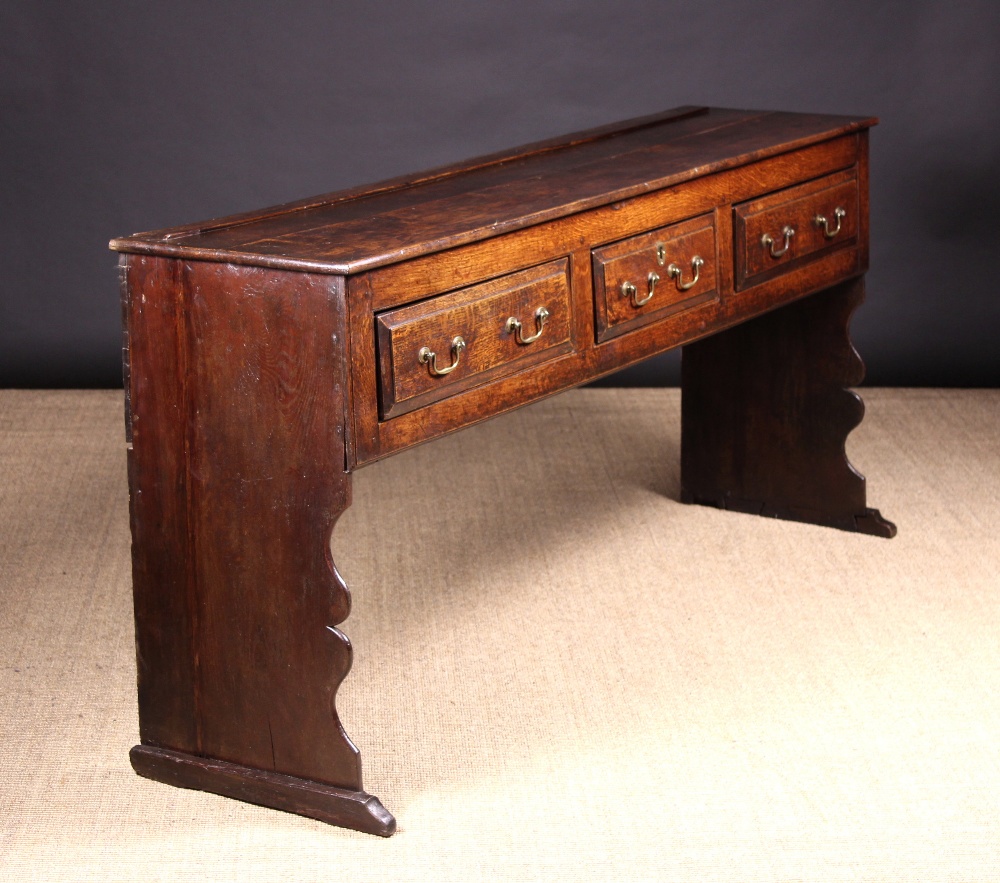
{"type": "Point", "coordinates": [786, 233]}
{"type": "Point", "coordinates": [677, 273]}
{"type": "Point", "coordinates": [514, 327]}
{"type": "Point", "coordinates": [821, 221]}
{"type": "Point", "coordinates": [429, 358]}
{"type": "Point", "coordinates": [631, 292]}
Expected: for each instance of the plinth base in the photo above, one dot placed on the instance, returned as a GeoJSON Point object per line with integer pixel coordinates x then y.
{"type": "Point", "coordinates": [336, 806]}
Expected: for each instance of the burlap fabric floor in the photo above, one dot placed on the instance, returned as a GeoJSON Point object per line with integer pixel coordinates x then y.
{"type": "Point", "coordinates": [561, 673]}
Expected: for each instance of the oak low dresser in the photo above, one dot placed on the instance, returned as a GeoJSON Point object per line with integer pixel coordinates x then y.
{"type": "Point", "coordinates": [268, 355]}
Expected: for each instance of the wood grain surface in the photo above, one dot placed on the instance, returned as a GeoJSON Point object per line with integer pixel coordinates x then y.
{"type": "Point", "coordinates": [796, 208]}
{"type": "Point", "coordinates": [270, 354]}
{"type": "Point", "coordinates": [383, 224]}
{"type": "Point", "coordinates": [644, 262]}
{"type": "Point", "coordinates": [237, 476]}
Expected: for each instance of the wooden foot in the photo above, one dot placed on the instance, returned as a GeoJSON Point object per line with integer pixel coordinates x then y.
{"type": "Point", "coordinates": [237, 475]}
{"type": "Point", "coordinates": [336, 806]}
{"type": "Point", "coordinates": [766, 413]}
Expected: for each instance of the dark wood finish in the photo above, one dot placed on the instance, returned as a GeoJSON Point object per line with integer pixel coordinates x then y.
{"type": "Point", "coordinates": [797, 208]}
{"type": "Point", "coordinates": [576, 238]}
{"type": "Point", "coordinates": [269, 354]}
{"type": "Point", "coordinates": [336, 806]}
{"type": "Point", "coordinates": [237, 475]}
{"type": "Point", "coordinates": [410, 180]}
{"type": "Point", "coordinates": [156, 431]}
{"type": "Point", "coordinates": [454, 265]}
{"type": "Point", "coordinates": [765, 415]}
{"type": "Point", "coordinates": [386, 223]}
{"type": "Point", "coordinates": [632, 260]}
{"type": "Point", "coordinates": [479, 315]}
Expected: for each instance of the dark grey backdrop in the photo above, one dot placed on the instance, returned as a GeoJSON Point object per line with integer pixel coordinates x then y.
{"type": "Point", "coordinates": [124, 116]}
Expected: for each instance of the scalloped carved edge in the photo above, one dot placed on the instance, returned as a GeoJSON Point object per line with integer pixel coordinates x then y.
{"type": "Point", "coordinates": [340, 609]}
{"type": "Point", "coordinates": [783, 377]}
{"type": "Point", "coordinates": [871, 520]}
{"type": "Point", "coordinates": [237, 597]}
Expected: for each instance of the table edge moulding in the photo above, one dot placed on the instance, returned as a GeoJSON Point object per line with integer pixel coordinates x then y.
{"type": "Point", "coordinates": [268, 355]}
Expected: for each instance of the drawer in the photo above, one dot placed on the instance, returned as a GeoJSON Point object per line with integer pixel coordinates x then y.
{"type": "Point", "coordinates": [454, 341]}
{"type": "Point", "coordinates": [655, 275]}
{"type": "Point", "coordinates": [788, 228]}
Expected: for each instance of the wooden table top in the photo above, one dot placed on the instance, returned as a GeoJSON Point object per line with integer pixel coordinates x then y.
{"type": "Point", "coordinates": [376, 225]}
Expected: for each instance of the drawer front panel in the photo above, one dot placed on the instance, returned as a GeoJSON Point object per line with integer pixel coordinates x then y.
{"type": "Point", "coordinates": [785, 229]}
{"type": "Point", "coordinates": [649, 277]}
{"type": "Point", "coordinates": [442, 346]}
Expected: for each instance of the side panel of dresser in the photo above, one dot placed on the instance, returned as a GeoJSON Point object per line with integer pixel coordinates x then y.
{"type": "Point", "coordinates": [236, 393]}
{"type": "Point", "coordinates": [766, 409]}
